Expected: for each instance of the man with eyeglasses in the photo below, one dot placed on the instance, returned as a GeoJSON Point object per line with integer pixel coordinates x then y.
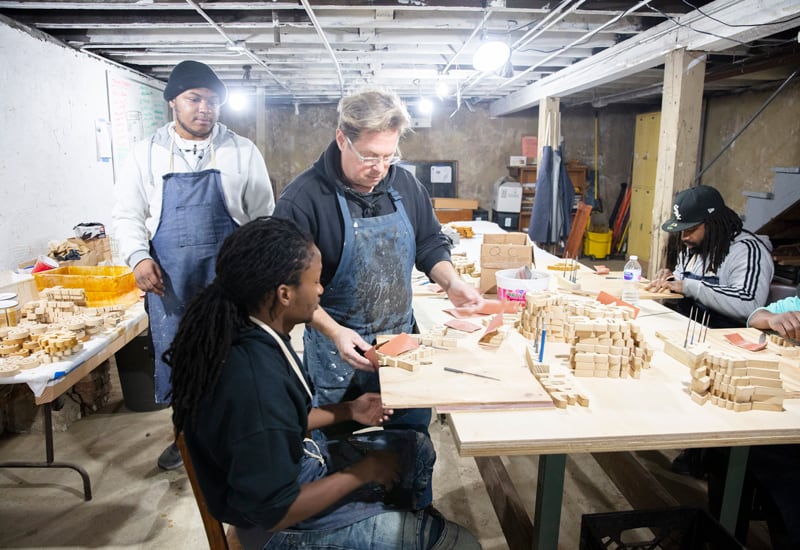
{"type": "Point", "coordinates": [373, 222]}
{"type": "Point", "coordinates": [181, 192]}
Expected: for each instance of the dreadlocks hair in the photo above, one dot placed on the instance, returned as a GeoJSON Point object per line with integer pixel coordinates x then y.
{"type": "Point", "coordinates": [253, 262]}
{"type": "Point", "coordinates": [721, 228]}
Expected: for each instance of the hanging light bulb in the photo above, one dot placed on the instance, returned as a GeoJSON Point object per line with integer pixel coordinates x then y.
{"type": "Point", "coordinates": [507, 70]}
{"type": "Point", "coordinates": [425, 105]}
{"type": "Point", "coordinates": [491, 54]}
{"type": "Point", "coordinates": [442, 90]}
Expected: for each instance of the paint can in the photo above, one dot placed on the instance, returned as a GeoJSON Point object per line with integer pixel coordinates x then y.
{"type": "Point", "coordinates": [9, 311]}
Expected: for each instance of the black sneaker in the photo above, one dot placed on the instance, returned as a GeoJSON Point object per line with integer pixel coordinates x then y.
{"type": "Point", "coordinates": [170, 458]}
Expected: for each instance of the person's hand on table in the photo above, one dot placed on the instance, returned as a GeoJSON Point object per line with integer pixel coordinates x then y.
{"type": "Point", "coordinates": [348, 341]}
{"type": "Point", "coordinates": [148, 277]}
{"type": "Point", "coordinates": [787, 324]}
{"type": "Point", "coordinates": [368, 409]}
{"type": "Point", "coordinates": [665, 281]}
{"type": "Point", "coordinates": [463, 295]}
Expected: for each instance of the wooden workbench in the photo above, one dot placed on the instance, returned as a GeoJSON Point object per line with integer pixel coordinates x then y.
{"type": "Point", "coordinates": [50, 381]}
{"type": "Point", "coordinates": [653, 412]}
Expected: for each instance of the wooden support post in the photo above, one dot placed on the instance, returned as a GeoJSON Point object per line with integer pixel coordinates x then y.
{"type": "Point", "coordinates": [681, 107]}
{"type": "Point", "coordinates": [514, 520]}
{"type": "Point", "coordinates": [549, 124]}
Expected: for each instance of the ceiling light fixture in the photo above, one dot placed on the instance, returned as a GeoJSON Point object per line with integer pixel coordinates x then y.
{"type": "Point", "coordinates": [491, 54]}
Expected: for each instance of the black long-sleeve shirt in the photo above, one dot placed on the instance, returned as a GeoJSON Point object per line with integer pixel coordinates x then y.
{"type": "Point", "coordinates": [310, 201]}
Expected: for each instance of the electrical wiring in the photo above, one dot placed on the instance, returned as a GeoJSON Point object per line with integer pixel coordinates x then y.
{"type": "Point", "coordinates": [733, 25]}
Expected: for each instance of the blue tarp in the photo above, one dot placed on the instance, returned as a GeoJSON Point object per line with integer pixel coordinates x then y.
{"type": "Point", "coordinates": [551, 215]}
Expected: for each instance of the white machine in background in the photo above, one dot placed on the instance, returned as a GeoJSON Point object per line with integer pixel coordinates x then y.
{"type": "Point", "coordinates": [506, 203]}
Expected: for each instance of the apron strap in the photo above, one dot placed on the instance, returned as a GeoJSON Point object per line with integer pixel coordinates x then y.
{"type": "Point", "coordinates": [289, 357]}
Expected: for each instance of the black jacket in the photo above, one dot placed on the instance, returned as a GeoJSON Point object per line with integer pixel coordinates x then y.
{"type": "Point", "coordinates": [310, 201]}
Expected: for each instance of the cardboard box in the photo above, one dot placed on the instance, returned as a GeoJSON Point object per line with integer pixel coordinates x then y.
{"type": "Point", "coordinates": [454, 204]}
{"type": "Point", "coordinates": [507, 196]}
{"type": "Point", "coordinates": [516, 160]}
{"type": "Point", "coordinates": [503, 251]}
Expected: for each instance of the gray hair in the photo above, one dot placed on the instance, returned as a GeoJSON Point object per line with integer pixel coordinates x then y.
{"type": "Point", "coordinates": [372, 110]}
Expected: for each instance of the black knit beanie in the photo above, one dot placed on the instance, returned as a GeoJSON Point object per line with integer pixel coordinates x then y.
{"type": "Point", "coordinates": [191, 74]}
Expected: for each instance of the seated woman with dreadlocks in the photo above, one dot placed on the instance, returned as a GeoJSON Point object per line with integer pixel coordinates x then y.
{"type": "Point", "coordinates": [244, 404]}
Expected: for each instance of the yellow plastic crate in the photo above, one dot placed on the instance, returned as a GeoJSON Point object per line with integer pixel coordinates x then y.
{"type": "Point", "coordinates": [597, 245]}
{"type": "Point", "coordinates": [104, 285]}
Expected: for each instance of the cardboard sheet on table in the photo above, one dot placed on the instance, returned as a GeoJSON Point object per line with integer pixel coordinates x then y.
{"type": "Point", "coordinates": [487, 307]}
{"type": "Point", "coordinates": [491, 328]}
{"type": "Point", "coordinates": [605, 298]}
{"type": "Point", "coordinates": [398, 344]}
{"type": "Point", "coordinates": [431, 386]}
{"type": "Point", "coordinates": [462, 325]}
{"type": "Point", "coordinates": [592, 282]}
{"type": "Point", "coordinates": [736, 339]}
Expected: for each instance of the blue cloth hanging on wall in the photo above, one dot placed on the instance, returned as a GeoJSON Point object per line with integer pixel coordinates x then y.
{"type": "Point", "coordinates": [551, 214]}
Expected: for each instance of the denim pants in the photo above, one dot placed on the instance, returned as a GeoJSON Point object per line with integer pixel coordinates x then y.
{"type": "Point", "coordinates": [391, 530]}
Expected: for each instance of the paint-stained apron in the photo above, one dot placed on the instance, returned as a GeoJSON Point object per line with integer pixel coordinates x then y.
{"type": "Point", "coordinates": [371, 294]}
{"type": "Point", "coordinates": [194, 223]}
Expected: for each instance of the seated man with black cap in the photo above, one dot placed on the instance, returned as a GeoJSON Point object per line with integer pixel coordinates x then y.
{"type": "Point", "coordinates": [722, 269]}
{"type": "Point", "coordinates": [181, 192]}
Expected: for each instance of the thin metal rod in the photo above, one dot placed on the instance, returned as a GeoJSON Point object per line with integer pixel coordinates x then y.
{"type": "Point", "coordinates": [752, 118]}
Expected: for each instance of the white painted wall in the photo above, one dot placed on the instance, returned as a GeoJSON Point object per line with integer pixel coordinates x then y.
{"type": "Point", "coordinates": [50, 178]}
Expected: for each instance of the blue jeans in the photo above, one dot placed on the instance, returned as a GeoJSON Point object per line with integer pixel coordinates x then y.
{"type": "Point", "coordinates": [392, 530]}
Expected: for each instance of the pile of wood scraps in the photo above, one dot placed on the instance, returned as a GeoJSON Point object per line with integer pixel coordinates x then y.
{"type": "Point", "coordinates": [468, 376]}
{"type": "Point", "coordinates": [735, 376]}
{"type": "Point", "coordinates": [604, 340]}
{"type": "Point", "coordinates": [52, 329]}
{"type": "Point", "coordinates": [561, 387]}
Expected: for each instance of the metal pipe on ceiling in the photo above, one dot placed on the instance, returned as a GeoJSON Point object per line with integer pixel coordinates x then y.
{"type": "Point", "coordinates": [530, 35]}
{"type": "Point", "coordinates": [234, 45]}
{"type": "Point", "coordinates": [545, 23]}
{"type": "Point", "coordinates": [575, 42]}
{"type": "Point", "coordinates": [325, 42]}
{"type": "Point", "coordinates": [477, 29]}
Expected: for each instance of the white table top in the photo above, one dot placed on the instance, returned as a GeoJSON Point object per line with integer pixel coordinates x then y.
{"type": "Point", "coordinates": [652, 412]}
{"type": "Point", "coordinates": [49, 374]}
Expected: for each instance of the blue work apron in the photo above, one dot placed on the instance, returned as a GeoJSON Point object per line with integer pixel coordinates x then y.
{"type": "Point", "coordinates": [194, 223]}
{"type": "Point", "coordinates": [371, 294]}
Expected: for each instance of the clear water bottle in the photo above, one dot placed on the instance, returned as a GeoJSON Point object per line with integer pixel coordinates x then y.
{"type": "Point", "coordinates": [630, 284]}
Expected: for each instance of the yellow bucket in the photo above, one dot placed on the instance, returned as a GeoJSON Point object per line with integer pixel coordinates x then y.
{"type": "Point", "coordinates": [597, 245]}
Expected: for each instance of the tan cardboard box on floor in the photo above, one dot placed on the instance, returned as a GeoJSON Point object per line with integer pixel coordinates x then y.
{"type": "Point", "coordinates": [503, 251]}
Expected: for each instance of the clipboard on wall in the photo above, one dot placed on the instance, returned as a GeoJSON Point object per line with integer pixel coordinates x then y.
{"type": "Point", "coordinates": [440, 178]}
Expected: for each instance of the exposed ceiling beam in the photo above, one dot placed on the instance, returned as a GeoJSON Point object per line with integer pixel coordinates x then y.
{"type": "Point", "coordinates": [693, 31]}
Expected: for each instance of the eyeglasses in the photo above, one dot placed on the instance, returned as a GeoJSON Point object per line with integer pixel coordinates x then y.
{"type": "Point", "coordinates": [373, 161]}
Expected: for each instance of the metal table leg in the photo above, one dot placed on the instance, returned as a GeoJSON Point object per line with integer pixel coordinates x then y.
{"type": "Point", "coordinates": [732, 493]}
{"type": "Point", "coordinates": [50, 455]}
{"type": "Point", "coordinates": [549, 493]}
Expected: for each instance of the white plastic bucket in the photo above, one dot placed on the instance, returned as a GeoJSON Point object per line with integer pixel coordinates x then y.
{"type": "Point", "coordinates": [512, 289]}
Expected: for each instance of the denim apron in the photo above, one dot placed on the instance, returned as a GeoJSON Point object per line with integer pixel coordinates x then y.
{"type": "Point", "coordinates": [360, 504]}
{"type": "Point", "coordinates": [194, 222]}
{"type": "Point", "coordinates": [371, 294]}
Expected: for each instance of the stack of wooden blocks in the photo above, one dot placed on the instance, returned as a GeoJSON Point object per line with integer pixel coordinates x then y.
{"type": "Point", "coordinates": [728, 381]}
{"type": "Point", "coordinates": [604, 340]}
{"type": "Point", "coordinates": [607, 348]}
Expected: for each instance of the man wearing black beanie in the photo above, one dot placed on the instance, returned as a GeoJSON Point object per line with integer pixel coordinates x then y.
{"type": "Point", "coordinates": [182, 191]}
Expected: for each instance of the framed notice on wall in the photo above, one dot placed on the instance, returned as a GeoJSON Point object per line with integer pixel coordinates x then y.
{"type": "Point", "coordinates": [135, 111]}
{"type": "Point", "coordinates": [439, 177]}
